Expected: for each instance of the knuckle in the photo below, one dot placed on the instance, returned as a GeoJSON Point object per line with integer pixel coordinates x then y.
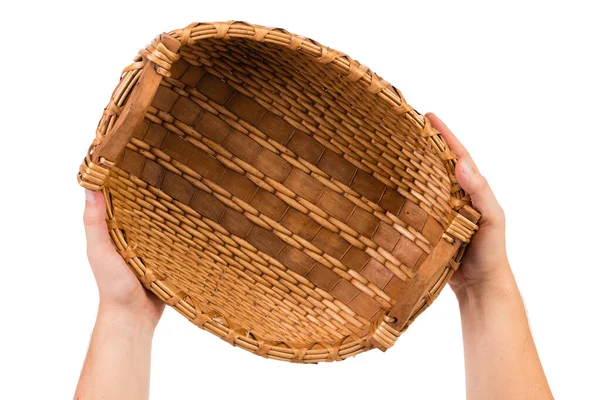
{"type": "Point", "coordinates": [90, 217]}
{"type": "Point", "coordinates": [497, 216]}
{"type": "Point", "coordinates": [501, 215]}
{"type": "Point", "coordinates": [102, 253]}
{"type": "Point", "coordinates": [481, 184]}
{"type": "Point", "coordinates": [501, 212]}
{"type": "Point", "coordinates": [91, 254]}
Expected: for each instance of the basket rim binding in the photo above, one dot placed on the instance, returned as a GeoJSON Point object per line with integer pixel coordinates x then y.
{"type": "Point", "coordinates": [95, 171]}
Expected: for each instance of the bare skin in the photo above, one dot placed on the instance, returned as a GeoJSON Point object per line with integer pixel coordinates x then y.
{"type": "Point", "coordinates": [501, 360]}
{"type": "Point", "coordinates": [500, 355]}
{"type": "Point", "coordinates": [117, 365]}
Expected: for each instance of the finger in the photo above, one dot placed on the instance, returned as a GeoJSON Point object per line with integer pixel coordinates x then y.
{"type": "Point", "coordinates": [455, 145]}
{"type": "Point", "coordinates": [469, 177]}
{"type": "Point", "coordinates": [99, 244]}
{"type": "Point", "coordinates": [482, 196]}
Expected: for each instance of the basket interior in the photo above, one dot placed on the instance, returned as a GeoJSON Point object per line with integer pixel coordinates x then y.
{"type": "Point", "coordinates": [262, 185]}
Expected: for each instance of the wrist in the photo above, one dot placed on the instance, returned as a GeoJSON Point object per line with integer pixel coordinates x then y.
{"type": "Point", "coordinates": [123, 318]}
{"type": "Point", "coordinates": [501, 285]}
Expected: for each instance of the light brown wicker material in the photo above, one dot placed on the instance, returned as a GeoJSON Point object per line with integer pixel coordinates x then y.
{"type": "Point", "coordinates": [276, 192]}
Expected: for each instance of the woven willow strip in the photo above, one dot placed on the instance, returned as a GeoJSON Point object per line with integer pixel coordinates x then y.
{"type": "Point", "coordinates": [276, 192]}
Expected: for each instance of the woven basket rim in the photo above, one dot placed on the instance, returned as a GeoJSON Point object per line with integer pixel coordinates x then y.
{"type": "Point", "coordinates": [373, 84]}
{"type": "Point", "coordinates": [326, 55]}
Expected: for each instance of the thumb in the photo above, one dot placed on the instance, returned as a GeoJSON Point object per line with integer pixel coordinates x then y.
{"type": "Point", "coordinates": [475, 184]}
{"type": "Point", "coordinates": [99, 245]}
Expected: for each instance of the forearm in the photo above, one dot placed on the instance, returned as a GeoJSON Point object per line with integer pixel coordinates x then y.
{"type": "Point", "coordinates": [117, 365]}
{"type": "Point", "coordinates": [501, 360]}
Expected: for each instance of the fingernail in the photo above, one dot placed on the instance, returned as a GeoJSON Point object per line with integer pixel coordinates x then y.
{"type": "Point", "coordinates": [467, 168]}
{"type": "Point", "coordinates": [90, 196]}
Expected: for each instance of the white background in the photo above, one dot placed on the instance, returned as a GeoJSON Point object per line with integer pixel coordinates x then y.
{"type": "Point", "coordinates": [517, 82]}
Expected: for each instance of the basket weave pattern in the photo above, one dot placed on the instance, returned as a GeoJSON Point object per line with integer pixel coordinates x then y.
{"type": "Point", "coordinates": [276, 192]}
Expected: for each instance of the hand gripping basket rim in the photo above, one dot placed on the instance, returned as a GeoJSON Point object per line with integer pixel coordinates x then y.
{"type": "Point", "coordinates": [155, 62]}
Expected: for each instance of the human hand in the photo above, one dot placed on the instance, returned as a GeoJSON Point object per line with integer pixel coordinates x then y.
{"type": "Point", "coordinates": [484, 266]}
{"type": "Point", "coordinates": [122, 296]}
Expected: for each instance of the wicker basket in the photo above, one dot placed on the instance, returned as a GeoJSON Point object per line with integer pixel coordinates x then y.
{"type": "Point", "coordinates": [276, 192]}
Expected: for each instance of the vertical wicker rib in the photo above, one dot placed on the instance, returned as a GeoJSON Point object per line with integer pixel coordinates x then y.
{"type": "Point", "coordinates": [276, 192]}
